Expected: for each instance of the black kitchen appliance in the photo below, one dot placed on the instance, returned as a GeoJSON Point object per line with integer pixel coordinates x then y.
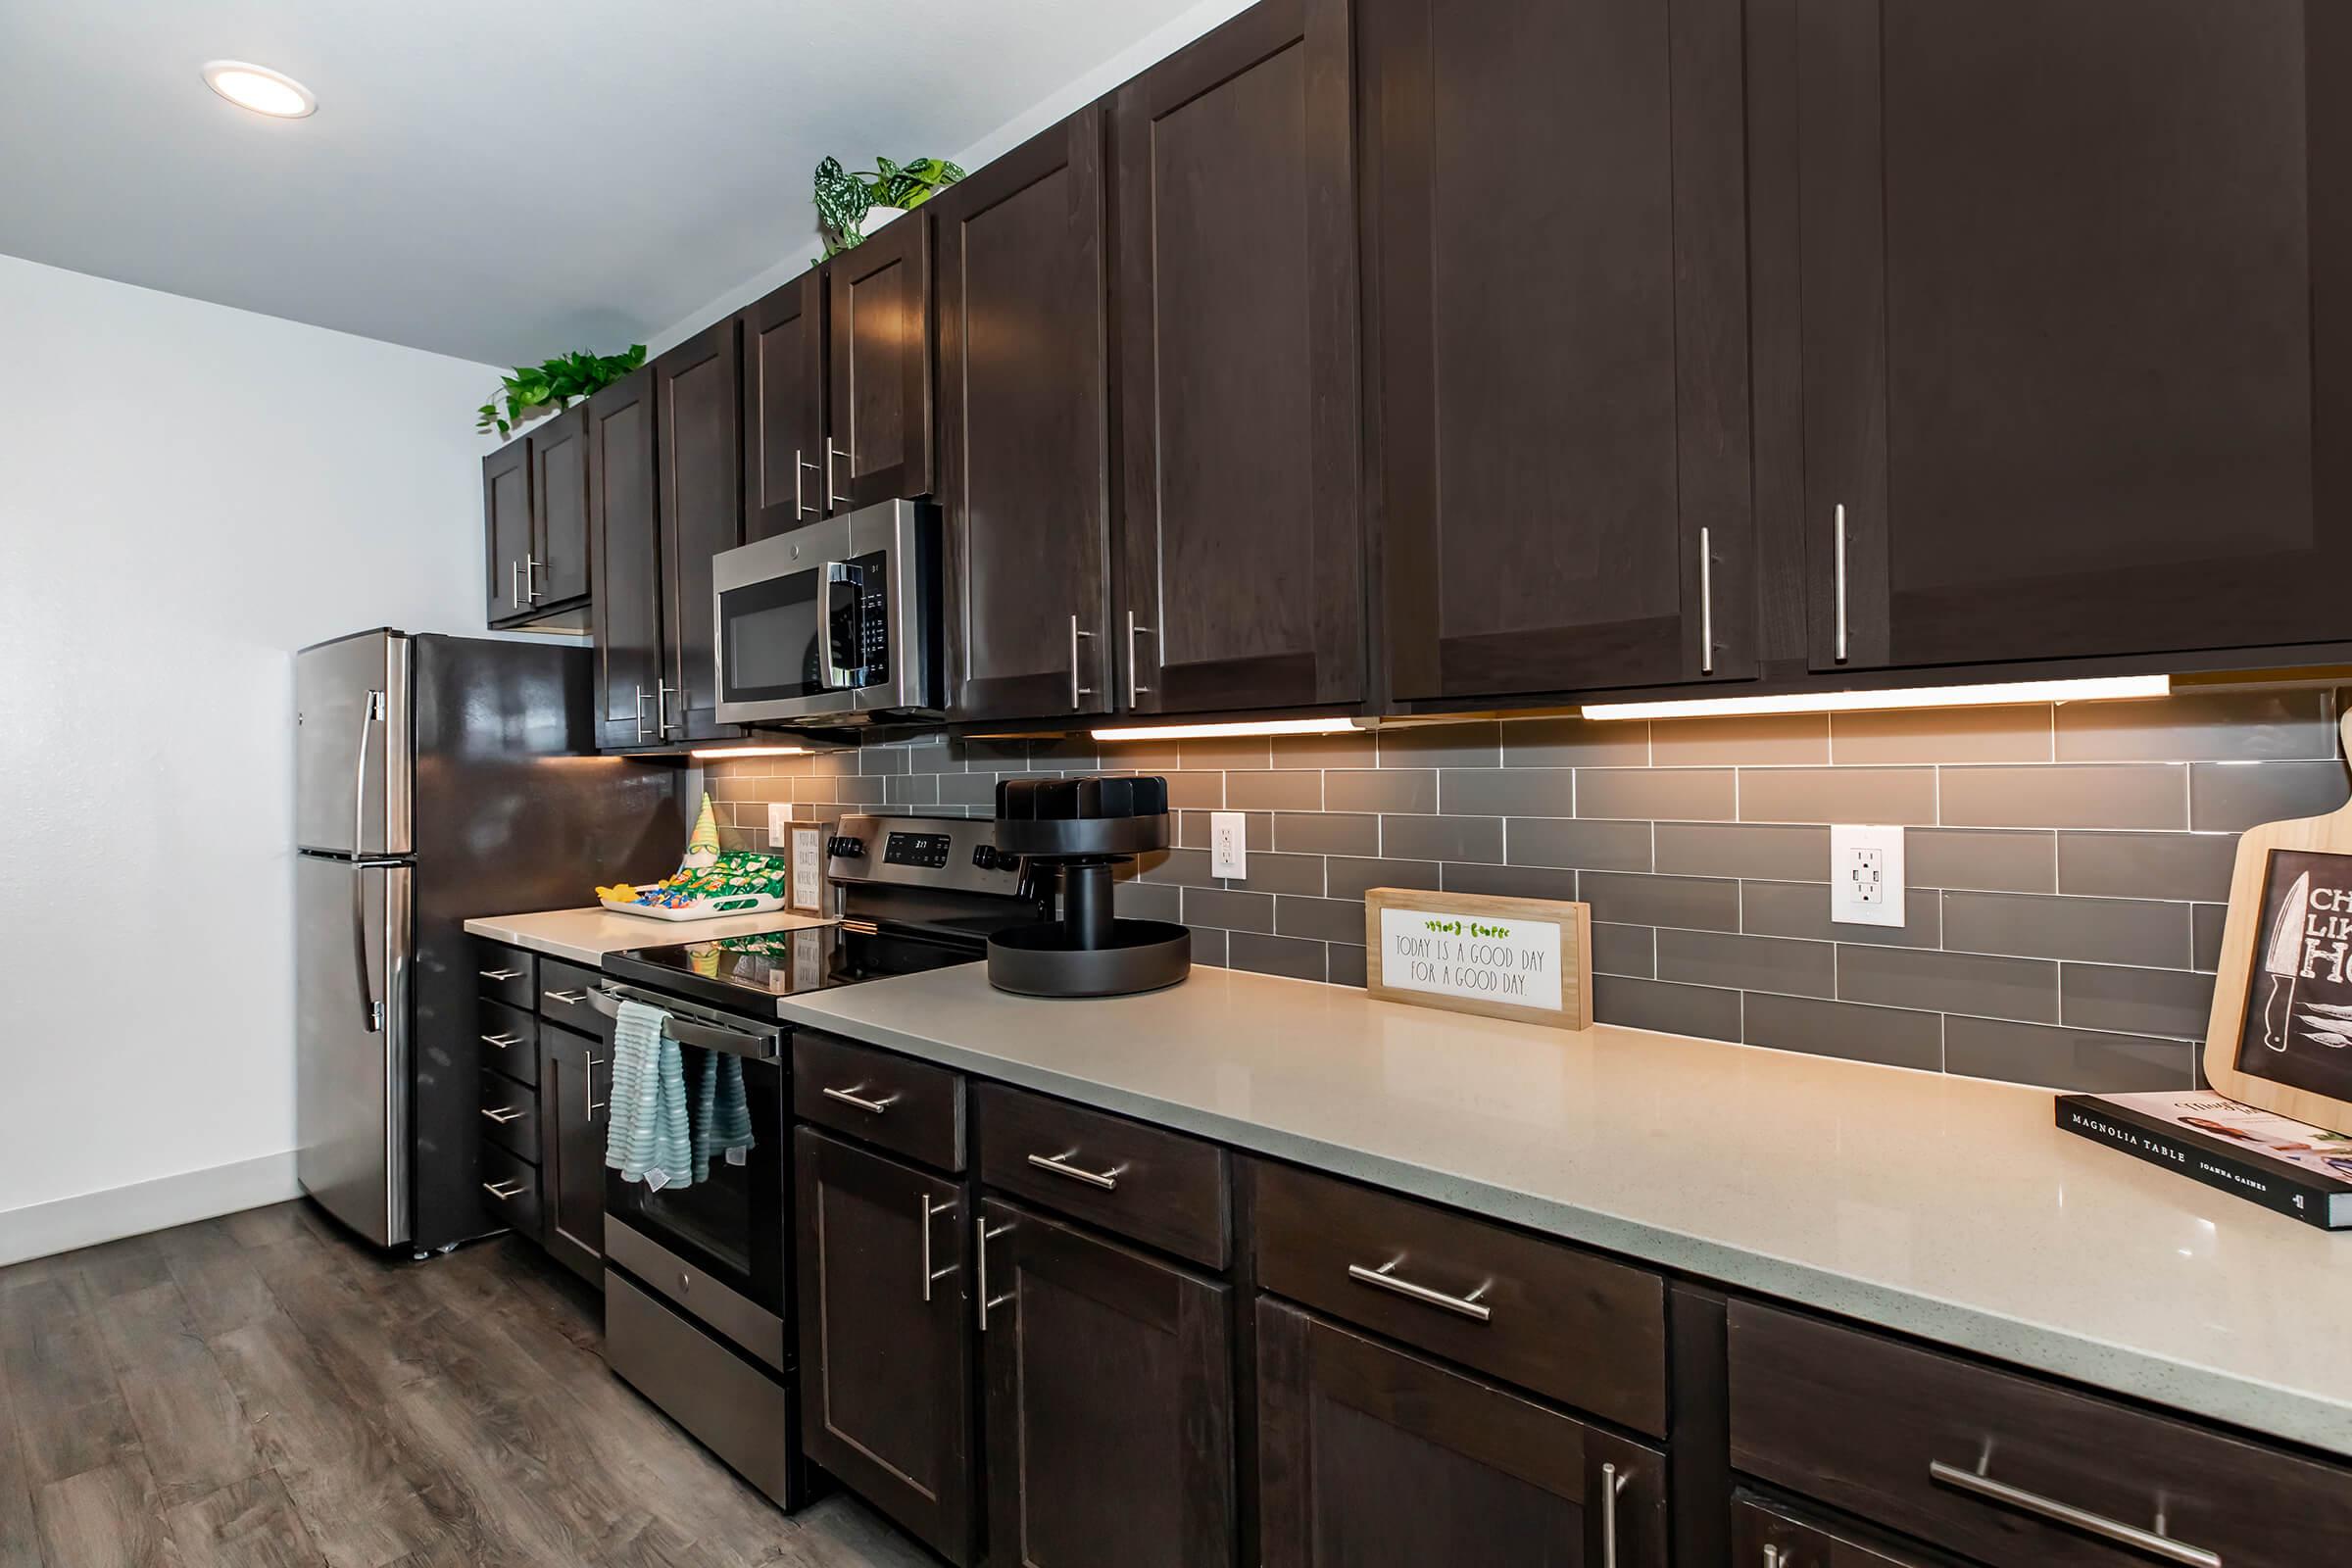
{"type": "Point", "coordinates": [696, 1279]}
{"type": "Point", "coordinates": [1085, 827]}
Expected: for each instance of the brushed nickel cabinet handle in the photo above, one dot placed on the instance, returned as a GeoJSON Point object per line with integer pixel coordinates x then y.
{"type": "Point", "coordinates": [1706, 607]}
{"type": "Point", "coordinates": [981, 1279]}
{"type": "Point", "coordinates": [502, 1041]}
{"type": "Point", "coordinates": [799, 467]}
{"type": "Point", "coordinates": [1385, 1277]}
{"type": "Point", "coordinates": [503, 1115]}
{"type": "Point", "coordinates": [588, 1098]}
{"type": "Point", "coordinates": [1840, 651]}
{"type": "Point", "coordinates": [638, 715]}
{"type": "Point", "coordinates": [531, 577]}
{"type": "Point", "coordinates": [832, 486]}
{"type": "Point", "coordinates": [1133, 689]}
{"type": "Point", "coordinates": [1612, 1482]}
{"type": "Point", "coordinates": [1059, 1165]}
{"type": "Point", "coordinates": [514, 585]}
{"type": "Point", "coordinates": [662, 692]}
{"type": "Point", "coordinates": [1079, 691]}
{"type": "Point", "coordinates": [925, 1213]}
{"type": "Point", "coordinates": [501, 1190]}
{"type": "Point", "coordinates": [851, 1098]}
{"type": "Point", "coordinates": [569, 999]}
{"type": "Point", "coordinates": [2150, 1542]}
{"type": "Point", "coordinates": [500, 974]}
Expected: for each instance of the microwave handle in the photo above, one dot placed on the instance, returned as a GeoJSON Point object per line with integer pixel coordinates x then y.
{"type": "Point", "coordinates": [837, 573]}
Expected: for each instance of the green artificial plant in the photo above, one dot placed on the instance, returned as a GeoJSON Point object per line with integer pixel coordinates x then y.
{"type": "Point", "coordinates": [842, 199]}
{"type": "Point", "coordinates": [559, 381]}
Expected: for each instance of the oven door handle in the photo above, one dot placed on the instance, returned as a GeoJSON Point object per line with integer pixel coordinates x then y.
{"type": "Point", "coordinates": [688, 1032]}
{"type": "Point", "coordinates": [838, 676]}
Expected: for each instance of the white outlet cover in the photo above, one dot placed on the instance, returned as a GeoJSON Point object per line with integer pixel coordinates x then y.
{"type": "Point", "coordinates": [779, 817]}
{"type": "Point", "coordinates": [1866, 875]}
{"type": "Point", "coordinates": [1228, 844]}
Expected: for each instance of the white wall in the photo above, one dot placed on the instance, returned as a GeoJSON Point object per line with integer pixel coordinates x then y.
{"type": "Point", "coordinates": [188, 493]}
{"type": "Point", "coordinates": [1071, 97]}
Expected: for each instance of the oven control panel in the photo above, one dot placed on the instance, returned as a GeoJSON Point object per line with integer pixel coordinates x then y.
{"type": "Point", "coordinates": [929, 851]}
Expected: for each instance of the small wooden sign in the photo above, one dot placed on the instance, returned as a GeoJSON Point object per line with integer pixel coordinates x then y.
{"type": "Point", "coordinates": [1525, 958]}
{"type": "Point", "coordinates": [2279, 1036]}
{"type": "Point", "coordinates": [807, 862]}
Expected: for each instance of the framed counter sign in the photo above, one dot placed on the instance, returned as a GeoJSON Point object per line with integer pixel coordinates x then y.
{"type": "Point", "coordinates": [2281, 1034]}
{"type": "Point", "coordinates": [1526, 958]}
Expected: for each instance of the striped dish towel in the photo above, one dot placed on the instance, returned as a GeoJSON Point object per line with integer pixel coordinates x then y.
{"type": "Point", "coordinates": [722, 1119]}
{"type": "Point", "coordinates": [646, 1139]}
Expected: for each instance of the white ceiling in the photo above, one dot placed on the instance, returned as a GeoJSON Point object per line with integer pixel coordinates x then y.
{"type": "Point", "coordinates": [505, 182]}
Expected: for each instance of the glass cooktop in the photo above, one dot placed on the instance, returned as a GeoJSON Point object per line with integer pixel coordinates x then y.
{"type": "Point", "coordinates": [754, 972]}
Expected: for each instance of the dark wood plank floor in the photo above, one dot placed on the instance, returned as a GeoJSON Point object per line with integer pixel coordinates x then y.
{"type": "Point", "coordinates": [259, 1391]}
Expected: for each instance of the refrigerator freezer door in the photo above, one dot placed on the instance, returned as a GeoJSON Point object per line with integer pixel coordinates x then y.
{"type": "Point", "coordinates": [352, 1045]}
{"type": "Point", "coordinates": [353, 763]}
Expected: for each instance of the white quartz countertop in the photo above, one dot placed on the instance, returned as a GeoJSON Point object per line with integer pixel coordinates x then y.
{"type": "Point", "coordinates": [1946, 1207]}
{"type": "Point", "coordinates": [585, 936]}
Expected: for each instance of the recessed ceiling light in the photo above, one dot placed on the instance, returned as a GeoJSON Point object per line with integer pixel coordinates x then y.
{"type": "Point", "coordinates": [260, 89]}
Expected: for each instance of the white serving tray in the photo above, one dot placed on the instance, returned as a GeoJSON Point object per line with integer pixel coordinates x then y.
{"type": "Point", "coordinates": [702, 908]}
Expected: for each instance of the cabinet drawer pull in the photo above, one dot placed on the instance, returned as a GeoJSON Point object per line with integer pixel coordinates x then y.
{"type": "Point", "coordinates": [1059, 1165]}
{"type": "Point", "coordinates": [502, 1041]}
{"type": "Point", "coordinates": [588, 1089]}
{"type": "Point", "coordinates": [1386, 1278]}
{"type": "Point", "coordinates": [569, 999]}
{"type": "Point", "coordinates": [1133, 690]}
{"type": "Point", "coordinates": [504, 1114]}
{"type": "Point", "coordinates": [851, 1097]}
{"type": "Point", "coordinates": [1079, 691]}
{"type": "Point", "coordinates": [2160, 1546]}
{"type": "Point", "coordinates": [981, 1277]}
{"type": "Point", "coordinates": [799, 467]}
{"type": "Point", "coordinates": [1774, 1559]}
{"type": "Point", "coordinates": [1612, 1482]}
{"type": "Point", "coordinates": [1706, 606]}
{"type": "Point", "coordinates": [500, 974]}
{"type": "Point", "coordinates": [501, 1190]}
{"type": "Point", "coordinates": [637, 714]}
{"type": "Point", "coordinates": [531, 577]}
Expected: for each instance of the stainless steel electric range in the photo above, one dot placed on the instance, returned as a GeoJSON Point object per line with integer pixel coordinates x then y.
{"type": "Point", "coordinates": [698, 1279]}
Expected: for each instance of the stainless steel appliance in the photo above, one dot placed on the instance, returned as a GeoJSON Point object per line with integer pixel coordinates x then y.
{"type": "Point", "coordinates": [837, 623]}
{"type": "Point", "coordinates": [698, 1279]}
{"type": "Point", "coordinates": [436, 778]}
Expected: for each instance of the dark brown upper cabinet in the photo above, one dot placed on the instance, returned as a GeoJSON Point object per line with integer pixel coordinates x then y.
{"type": "Point", "coordinates": [556, 572]}
{"type": "Point", "coordinates": [878, 300]}
{"type": "Point", "coordinates": [784, 407]}
{"type": "Point", "coordinates": [1371, 1458]}
{"type": "Point", "coordinates": [1109, 1402]}
{"type": "Point", "coordinates": [2077, 325]}
{"type": "Point", "coordinates": [1025, 429]}
{"type": "Point", "coordinates": [625, 533]}
{"type": "Point", "coordinates": [1555, 251]}
{"type": "Point", "coordinates": [698, 450]}
{"type": "Point", "coordinates": [507, 529]}
{"type": "Point", "coordinates": [1243, 548]}
{"type": "Point", "coordinates": [886, 1321]}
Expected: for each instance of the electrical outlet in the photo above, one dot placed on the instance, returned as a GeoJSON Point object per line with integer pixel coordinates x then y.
{"type": "Point", "coordinates": [1866, 875]}
{"type": "Point", "coordinates": [779, 817]}
{"type": "Point", "coordinates": [1228, 844]}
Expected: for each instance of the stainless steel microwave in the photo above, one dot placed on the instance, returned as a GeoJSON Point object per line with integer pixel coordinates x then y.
{"type": "Point", "coordinates": [837, 623]}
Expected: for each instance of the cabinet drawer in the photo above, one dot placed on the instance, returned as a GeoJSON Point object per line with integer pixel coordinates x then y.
{"type": "Point", "coordinates": [509, 1190]}
{"type": "Point", "coordinates": [1158, 1188]}
{"type": "Point", "coordinates": [509, 974]}
{"type": "Point", "coordinates": [1568, 1324]}
{"type": "Point", "coordinates": [2007, 1468]}
{"type": "Point", "coordinates": [563, 996]}
{"type": "Point", "coordinates": [1793, 1542]}
{"type": "Point", "coordinates": [510, 1116]}
{"type": "Point", "coordinates": [510, 1039]}
{"type": "Point", "coordinates": [896, 1101]}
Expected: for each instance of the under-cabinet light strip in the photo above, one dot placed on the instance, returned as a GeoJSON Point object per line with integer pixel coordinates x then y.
{"type": "Point", "coordinates": [752, 750]}
{"type": "Point", "coordinates": [1203, 732]}
{"type": "Point", "coordinates": [2098, 690]}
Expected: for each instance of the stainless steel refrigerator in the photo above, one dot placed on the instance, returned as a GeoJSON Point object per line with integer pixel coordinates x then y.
{"type": "Point", "coordinates": [436, 779]}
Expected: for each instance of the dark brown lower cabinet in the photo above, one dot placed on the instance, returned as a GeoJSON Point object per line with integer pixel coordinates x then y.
{"type": "Point", "coordinates": [1369, 1458]}
{"type": "Point", "coordinates": [575, 1079]}
{"type": "Point", "coordinates": [886, 1337]}
{"type": "Point", "coordinates": [1109, 1408]}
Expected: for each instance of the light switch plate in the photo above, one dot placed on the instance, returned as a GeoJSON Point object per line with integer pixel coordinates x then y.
{"type": "Point", "coordinates": [1228, 844]}
{"type": "Point", "coordinates": [779, 817]}
{"type": "Point", "coordinates": [1866, 875]}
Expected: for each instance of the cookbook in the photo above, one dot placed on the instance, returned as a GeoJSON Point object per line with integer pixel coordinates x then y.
{"type": "Point", "coordinates": [2290, 1166]}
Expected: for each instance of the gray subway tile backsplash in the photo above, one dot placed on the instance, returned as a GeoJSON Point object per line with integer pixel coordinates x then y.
{"type": "Point", "coordinates": [2064, 920]}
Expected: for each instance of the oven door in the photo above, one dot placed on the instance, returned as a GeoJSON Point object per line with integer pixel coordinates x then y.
{"type": "Point", "coordinates": [727, 1229]}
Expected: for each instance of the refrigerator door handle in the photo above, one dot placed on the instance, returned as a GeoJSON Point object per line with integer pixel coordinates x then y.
{"type": "Point", "coordinates": [372, 1011]}
{"type": "Point", "coordinates": [372, 713]}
